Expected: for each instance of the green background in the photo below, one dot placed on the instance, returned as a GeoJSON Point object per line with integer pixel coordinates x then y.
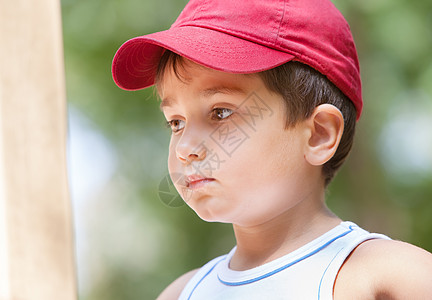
{"type": "Point", "coordinates": [135, 245]}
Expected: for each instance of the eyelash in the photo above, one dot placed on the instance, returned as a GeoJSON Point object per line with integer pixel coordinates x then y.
{"type": "Point", "coordinates": [170, 124]}
{"type": "Point", "coordinates": [213, 112]}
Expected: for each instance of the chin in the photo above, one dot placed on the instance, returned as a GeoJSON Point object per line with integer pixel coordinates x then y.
{"type": "Point", "coordinates": [206, 217]}
{"type": "Point", "coordinates": [210, 216]}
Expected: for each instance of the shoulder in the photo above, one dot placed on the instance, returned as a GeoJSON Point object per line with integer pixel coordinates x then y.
{"type": "Point", "coordinates": [385, 269]}
{"type": "Point", "coordinates": [173, 291]}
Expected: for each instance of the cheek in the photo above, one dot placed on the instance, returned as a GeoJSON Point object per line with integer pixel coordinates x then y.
{"type": "Point", "coordinates": [172, 156]}
{"type": "Point", "coordinates": [271, 168]}
{"type": "Point", "coordinates": [266, 156]}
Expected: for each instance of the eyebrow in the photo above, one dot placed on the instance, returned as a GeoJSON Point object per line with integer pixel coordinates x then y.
{"type": "Point", "coordinates": [206, 93]}
{"type": "Point", "coordinates": [165, 102]}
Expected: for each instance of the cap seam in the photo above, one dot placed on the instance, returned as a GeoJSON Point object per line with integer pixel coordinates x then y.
{"type": "Point", "coordinates": [200, 9]}
{"type": "Point", "coordinates": [238, 34]}
{"type": "Point", "coordinates": [280, 23]}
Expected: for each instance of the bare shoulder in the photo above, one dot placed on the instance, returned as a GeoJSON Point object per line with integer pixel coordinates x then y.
{"type": "Point", "coordinates": [385, 269]}
{"type": "Point", "coordinates": [173, 291]}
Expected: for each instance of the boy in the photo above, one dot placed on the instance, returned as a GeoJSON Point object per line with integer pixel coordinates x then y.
{"type": "Point", "coordinates": [262, 98]}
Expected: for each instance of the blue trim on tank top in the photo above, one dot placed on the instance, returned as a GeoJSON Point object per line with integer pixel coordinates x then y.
{"type": "Point", "coordinates": [283, 267]}
{"type": "Point", "coordinates": [206, 274]}
{"type": "Point", "coordinates": [325, 271]}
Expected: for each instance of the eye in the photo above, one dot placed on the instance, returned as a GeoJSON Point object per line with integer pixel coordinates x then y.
{"type": "Point", "coordinates": [175, 125]}
{"type": "Point", "coordinates": [221, 113]}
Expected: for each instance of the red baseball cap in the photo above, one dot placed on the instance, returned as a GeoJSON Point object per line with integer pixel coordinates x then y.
{"type": "Point", "coordinates": [248, 36]}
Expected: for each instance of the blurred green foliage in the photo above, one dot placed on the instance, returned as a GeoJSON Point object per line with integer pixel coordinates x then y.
{"type": "Point", "coordinates": [394, 40]}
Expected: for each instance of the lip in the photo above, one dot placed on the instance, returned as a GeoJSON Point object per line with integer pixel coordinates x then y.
{"type": "Point", "coordinates": [197, 181]}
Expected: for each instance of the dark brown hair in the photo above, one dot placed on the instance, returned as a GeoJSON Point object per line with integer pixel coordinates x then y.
{"type": "Point", "coordinates": [303, 89]}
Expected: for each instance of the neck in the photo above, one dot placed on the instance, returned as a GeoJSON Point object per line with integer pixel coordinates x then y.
{"type": "Point", "coordinates": [257, 245]}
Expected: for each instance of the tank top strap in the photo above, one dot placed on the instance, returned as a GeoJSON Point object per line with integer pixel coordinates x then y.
{"type": "Point", "coordinates": [358, 236]}
{"type": "Point", "coordinates": [200, 276]}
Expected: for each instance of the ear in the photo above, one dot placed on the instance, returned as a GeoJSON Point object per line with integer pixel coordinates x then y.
{"type": "Point", "coordinates": [325, 128]}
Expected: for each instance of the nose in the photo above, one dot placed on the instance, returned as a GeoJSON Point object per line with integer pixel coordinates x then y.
{"type": "Point", "coordinates": [191, 147]}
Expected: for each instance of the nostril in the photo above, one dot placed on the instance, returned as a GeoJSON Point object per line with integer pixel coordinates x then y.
{"type": "Point", "coordinates": [186, 155]}
{"type": "Point", "coordinates": [192, 157]}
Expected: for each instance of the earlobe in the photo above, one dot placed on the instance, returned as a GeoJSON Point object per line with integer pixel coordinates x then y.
{"type": "Point", "coordinates": [326, 126]}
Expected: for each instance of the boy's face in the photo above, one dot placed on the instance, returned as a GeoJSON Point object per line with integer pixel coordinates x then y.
{"type": "Point", "coordinates": [230, 157]}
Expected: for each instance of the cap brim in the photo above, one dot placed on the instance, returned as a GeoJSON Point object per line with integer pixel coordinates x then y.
{"type": "Point", "coordinates": [135, 63]}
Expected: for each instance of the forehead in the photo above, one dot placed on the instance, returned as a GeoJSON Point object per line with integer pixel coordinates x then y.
{"type": "Point", "coordinates": [183, 74]}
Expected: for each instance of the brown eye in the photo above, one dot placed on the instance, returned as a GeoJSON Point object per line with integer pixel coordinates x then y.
{"type": "Point", "coordinates": [221, 113]}
{"type": "Point", "coordinates": [176, 125]}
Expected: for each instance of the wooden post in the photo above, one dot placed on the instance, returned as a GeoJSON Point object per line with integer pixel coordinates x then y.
{"type": "Point", "coordinates": [36, 235]}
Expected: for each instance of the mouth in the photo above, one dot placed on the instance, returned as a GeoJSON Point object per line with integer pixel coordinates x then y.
{"type": "Point", "coordinates": [197, 181]}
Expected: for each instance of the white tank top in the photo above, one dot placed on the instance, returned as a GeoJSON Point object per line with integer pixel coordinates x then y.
{"type": "Point", "coordinates": [304, 274]}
